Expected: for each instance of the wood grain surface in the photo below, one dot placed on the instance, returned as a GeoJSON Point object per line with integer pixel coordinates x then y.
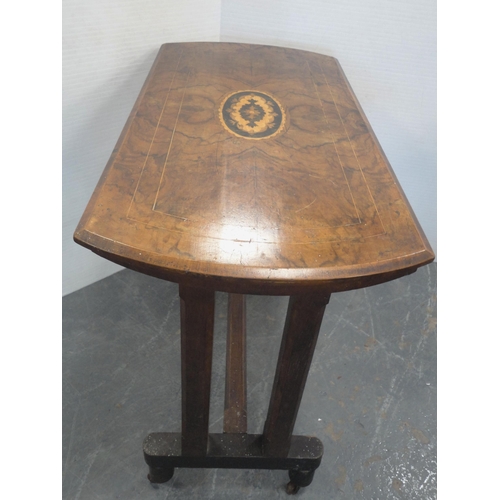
{"type": "Point", "coordinates": [252, 169]}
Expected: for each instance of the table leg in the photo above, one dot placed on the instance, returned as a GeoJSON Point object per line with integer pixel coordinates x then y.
{"type": "Point", "coordinates": [303, 322]}
{"type": "Point", "coordinates": [235, 404]}
{"type": "Point", "coordinates": [197, 327]}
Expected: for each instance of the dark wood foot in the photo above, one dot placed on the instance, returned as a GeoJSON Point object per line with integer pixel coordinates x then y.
{"type": "Point", "coordinates": [160, 474]}
{"type": "Point", "coordinates": [299, 479]}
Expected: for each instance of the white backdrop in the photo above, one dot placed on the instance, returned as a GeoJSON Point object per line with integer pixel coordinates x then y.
{"type": "Point", "coordinates": [386, 48]}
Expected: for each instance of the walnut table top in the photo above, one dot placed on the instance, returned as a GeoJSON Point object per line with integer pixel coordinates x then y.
{"type": "Point", "coordinates": [252, 169]}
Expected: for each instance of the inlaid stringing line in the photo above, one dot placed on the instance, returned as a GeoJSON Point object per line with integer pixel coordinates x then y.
{"type": "Point", "coordinates": [352, 148]}
{"type": "Point", "coordinates": [154, 135]}
{"type": "Point", "coordinates": [333, 141]}
{"type": "Point", "coordinates": [171, 141]}
{"type": "Point", "coordinates": [255, 241]}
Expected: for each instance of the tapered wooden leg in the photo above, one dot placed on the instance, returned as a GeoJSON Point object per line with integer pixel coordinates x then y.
{"type": "Point", "coordinates": [197, 326]}
{"type": "Point", "coordinates": [303, 322]}
{"type": "Point", "coordinates": [235, 404]}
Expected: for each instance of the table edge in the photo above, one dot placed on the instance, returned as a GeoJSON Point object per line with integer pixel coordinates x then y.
{"type": "Point", "coordinates": [257, 280]}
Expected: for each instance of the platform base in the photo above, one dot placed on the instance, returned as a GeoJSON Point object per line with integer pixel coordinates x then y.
{"type": "Point", "coordinates": [162, 452]}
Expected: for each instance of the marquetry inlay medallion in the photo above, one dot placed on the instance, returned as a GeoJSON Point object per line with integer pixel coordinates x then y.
{"type": "Point", "coordinates": [252, 115]}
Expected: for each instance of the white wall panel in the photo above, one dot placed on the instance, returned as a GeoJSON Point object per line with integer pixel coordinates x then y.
{"type": "Point", "coordinates": [108, 49]}
{"type": "Point", "coordinates": [387, 49]}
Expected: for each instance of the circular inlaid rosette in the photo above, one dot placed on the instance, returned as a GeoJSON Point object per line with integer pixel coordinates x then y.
{"type": "Point", "coordinates": [252, 115]}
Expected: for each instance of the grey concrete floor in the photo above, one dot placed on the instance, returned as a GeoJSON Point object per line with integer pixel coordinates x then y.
{"type": "Point", "coordinates": [370, 396]}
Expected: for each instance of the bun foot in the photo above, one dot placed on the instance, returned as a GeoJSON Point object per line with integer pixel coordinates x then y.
{"type": "Point", "coordinates": [298, 479]}
{"type": "Point", "coordinates": [160, 475]}
{"type": "Point", "coordinates": [292, 488]}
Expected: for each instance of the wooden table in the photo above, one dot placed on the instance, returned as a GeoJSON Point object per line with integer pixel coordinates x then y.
{"type": "Point", "coordinates": [249, 169]}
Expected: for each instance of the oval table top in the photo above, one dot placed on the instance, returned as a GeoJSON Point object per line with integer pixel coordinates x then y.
{"type": "Point", "coordinates": [252, 169]}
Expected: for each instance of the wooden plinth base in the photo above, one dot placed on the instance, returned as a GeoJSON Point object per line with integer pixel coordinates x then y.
{"type": "Point", "coordinates": [163, 453]}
